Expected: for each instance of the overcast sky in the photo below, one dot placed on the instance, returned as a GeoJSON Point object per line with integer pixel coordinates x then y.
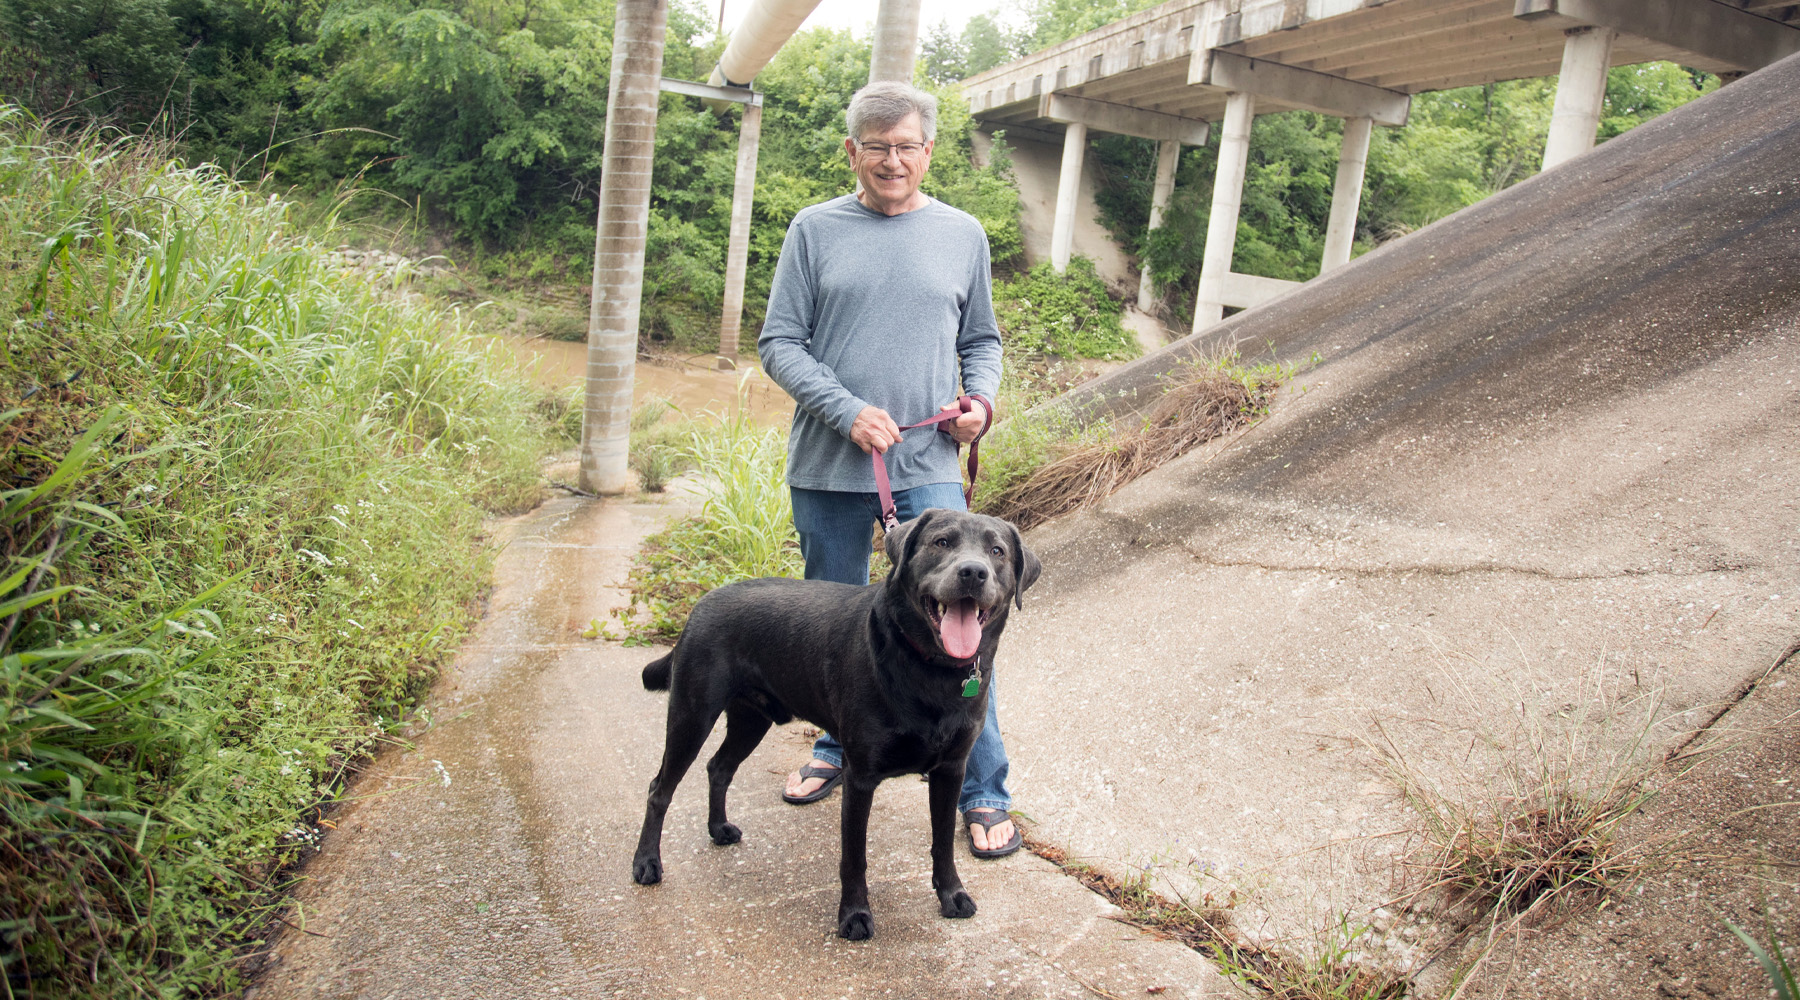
{"type": "Point", "coordinates": [859, 15]}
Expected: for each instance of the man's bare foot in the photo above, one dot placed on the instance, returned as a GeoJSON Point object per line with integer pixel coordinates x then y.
{"type": "Point", "coordinates": [812, 782]}
{"type": "Point", "coordinates": [991, 832]}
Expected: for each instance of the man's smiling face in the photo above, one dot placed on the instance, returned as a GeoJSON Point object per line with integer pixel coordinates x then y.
{"type": "Point", "coordinates": [890, 178]}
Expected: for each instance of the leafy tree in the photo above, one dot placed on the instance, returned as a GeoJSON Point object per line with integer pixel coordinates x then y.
{"type": "Point", "coordinates": [490, 105]}
{"type": "Point", "coordinates": [986, 44]}
{"type": "Point", "coordinates": [220, 74]}
{"type": "Point", "coordinates": [942, 57]}
{"type": "Point", "coordinates": [1636, 94]}
{"type": "Point", "coordinates": [1053, 21]}
{"type": "Point", "coordinates": [947, 57]}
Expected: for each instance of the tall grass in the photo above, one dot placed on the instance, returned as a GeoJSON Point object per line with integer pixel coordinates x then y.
{"type": "Point", "coordinates": [240, 504]}
{"type": "Point", "coordinates": [744, 530]}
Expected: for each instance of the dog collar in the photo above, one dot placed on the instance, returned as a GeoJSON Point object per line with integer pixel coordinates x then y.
{"type": "Point", "coordinates": [971, 685]}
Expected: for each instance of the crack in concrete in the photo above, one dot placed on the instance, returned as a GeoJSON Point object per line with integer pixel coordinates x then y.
{"type": "Point", "coordinates": [1743, 691]}
{"type": "Point", "coordinates": [1442, 570]}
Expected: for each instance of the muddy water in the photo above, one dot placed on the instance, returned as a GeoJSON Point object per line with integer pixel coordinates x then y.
{"type": "Point", "coordinates": [692, 387]}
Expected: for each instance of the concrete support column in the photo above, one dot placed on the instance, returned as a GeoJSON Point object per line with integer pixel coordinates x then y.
{"type": "Point", "coordinates": [737, 245]}
{"type": "Point", "coordinates": [1228, 196]}
{"type": "Point", "coordinates": [1068, 190]}
{"type": "Point", "coordinates": [619, 242]}
{"type": "Point", "coordinates": [896, 45]}
{"type": "Point", "coordinates": [1346, 195]}
{"type": "Point", "coordinates": [1580, 91]}
{"type": "Point", "coordinates": [1167, 153]}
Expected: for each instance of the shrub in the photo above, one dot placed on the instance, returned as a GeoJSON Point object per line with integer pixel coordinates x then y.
{"type": "Point", "coordinates": [238, 539]}
{"type": "Point", "coordinates": [1066, 315]}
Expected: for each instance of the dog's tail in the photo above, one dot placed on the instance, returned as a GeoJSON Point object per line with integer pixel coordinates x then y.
{"type": "Point", "coordinates": [656, 673]}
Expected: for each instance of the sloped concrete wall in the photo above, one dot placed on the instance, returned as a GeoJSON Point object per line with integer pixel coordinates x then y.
{"type": "Point", "coordinates": [1539, 499]}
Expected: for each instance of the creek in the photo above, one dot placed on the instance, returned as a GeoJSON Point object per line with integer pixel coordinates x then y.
{"type": "Point", "coordinates": [691, 385]}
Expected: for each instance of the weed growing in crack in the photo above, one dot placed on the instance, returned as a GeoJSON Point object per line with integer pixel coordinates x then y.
{"type": "Point", "coordinates": [1544, 836]}
{"type": "Point", "coordinates": [1332, 971]}
{"type": "Point", "coordinates": [656, 452]}
{"type": "Point", "coordinates": [1540, 837]}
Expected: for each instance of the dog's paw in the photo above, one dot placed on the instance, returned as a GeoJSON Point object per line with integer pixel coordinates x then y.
{"type": "Point", "coordinates": [646, 871]}
{"type": "Point", "coordinates": [957, 905]}
{"type": "Point", "coordinates": [857, 925]}
{"type": "Point", "coordinates": [725, 833]}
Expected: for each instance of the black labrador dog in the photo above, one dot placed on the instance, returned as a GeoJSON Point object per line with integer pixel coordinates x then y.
{"type": "Point", "coordinates": [899, 672]}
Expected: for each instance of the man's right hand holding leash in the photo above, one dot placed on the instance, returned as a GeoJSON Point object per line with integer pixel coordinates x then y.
{"type": "Point", "coordinates": [874, 430]}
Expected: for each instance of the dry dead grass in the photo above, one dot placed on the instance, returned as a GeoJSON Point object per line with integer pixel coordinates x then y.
{"type": "Point", "coordinates": [1199, 408]}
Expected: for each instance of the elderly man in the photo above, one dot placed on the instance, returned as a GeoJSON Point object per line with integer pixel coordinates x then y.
{"type": "Point", "coordinates": [881, 301]}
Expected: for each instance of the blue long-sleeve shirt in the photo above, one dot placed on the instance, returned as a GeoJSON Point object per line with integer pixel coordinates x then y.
{"type": "Point", "coordinates": [874, 310]}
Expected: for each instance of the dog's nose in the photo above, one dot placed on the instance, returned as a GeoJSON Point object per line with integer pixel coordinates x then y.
{"type": "Point", "coordinates": [972, 572]}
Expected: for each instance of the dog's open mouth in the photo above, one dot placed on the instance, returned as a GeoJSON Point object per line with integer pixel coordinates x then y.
{"type": "Point", "coordinates": [959, 625]}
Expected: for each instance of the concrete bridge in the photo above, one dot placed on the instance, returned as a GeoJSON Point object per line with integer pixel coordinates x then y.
{"type": "Point", "coordinates": [1171, 72]}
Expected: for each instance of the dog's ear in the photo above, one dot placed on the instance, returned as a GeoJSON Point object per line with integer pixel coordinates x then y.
{"type": "Point", "coordinates": [1025, 567]}
{"type": "Point", "coordinates": [901, 541]}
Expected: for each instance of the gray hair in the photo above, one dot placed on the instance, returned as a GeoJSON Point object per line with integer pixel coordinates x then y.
{"type": "Point", "coordinates": [886, 103]}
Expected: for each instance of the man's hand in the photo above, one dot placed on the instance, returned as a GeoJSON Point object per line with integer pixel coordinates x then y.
{"type": "Point", "coordinates": [965, 427]}
{"type": "Point", "coordinates": [874, 430]}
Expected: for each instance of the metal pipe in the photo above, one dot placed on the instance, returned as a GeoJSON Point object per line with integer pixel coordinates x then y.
{"type": "Point", "coordinates": [761, 34]}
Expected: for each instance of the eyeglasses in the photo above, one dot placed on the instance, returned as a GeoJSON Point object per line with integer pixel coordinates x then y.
{"type": "Point", "coordinates": [879, 150]}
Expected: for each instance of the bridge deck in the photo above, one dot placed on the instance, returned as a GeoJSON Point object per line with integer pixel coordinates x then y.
{"type": "Point", "coordinates": [1406, 46]}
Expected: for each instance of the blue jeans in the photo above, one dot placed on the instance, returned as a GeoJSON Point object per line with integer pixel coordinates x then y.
{"type": "Point", "coordinates": [835, 532]}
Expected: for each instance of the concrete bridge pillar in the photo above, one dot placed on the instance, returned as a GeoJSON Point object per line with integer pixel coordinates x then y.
{"type": "Point", "coordinates": [1346, 196]}
{"type": "Point", "coordinates": [1580, 92]}
{"type": "Point", "coordinates": [896, 42]}
{"type": "Point", "coordinates": [1168, 152]}
{"type": "Point", "coordinates": [1068, 187]}
{"type": "Point", "coordinates": [1228, 196]}
{"type": "Point", "coordinates": [737, 243]}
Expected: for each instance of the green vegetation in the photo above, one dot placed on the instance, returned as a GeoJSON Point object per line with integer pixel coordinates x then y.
{"type": "Point", "coordinates": [484, 119]}
{"type": "Point", "coordinates": [1782, 984]}
{"type": "Point", "coordinates": [244, 486]}
{"type": "Point", "coordinates": [744, 529]}
{"type": "Point", "coordinates": [1067, 315]}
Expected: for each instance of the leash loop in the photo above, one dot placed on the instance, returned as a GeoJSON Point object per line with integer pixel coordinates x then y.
{"type": "Point", "coordinates": [890, 518]}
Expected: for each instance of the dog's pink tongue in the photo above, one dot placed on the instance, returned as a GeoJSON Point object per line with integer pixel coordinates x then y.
{"type": "Point", "coordinates": [961, 630]}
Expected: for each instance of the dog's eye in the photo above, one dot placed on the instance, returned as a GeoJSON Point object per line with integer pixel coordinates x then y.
{"type": "Point", "coordinates": [997, 550]}
{"type": "Point", "coordinates": [942, 543]}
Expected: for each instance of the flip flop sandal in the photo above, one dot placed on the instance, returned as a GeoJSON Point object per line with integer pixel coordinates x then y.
{"type": "Point", "coordinates": [999, 816]}
{"type": "Point", "coordinates": [832, 776]}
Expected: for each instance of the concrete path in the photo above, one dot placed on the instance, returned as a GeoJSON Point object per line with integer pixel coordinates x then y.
{"type": "Point", "coordinates": [492, 858]}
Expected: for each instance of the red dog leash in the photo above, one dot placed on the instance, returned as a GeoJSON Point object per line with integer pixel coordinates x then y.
{"type": "Point", "coordinates": [889, 515]}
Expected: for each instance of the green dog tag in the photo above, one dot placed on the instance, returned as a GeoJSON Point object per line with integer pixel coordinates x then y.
{"type": "Point", "coordinates": [972, 686]}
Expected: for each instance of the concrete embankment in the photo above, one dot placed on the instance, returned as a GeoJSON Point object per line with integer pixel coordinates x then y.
{"type": "Point", "coordinates": [1539, 500]}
